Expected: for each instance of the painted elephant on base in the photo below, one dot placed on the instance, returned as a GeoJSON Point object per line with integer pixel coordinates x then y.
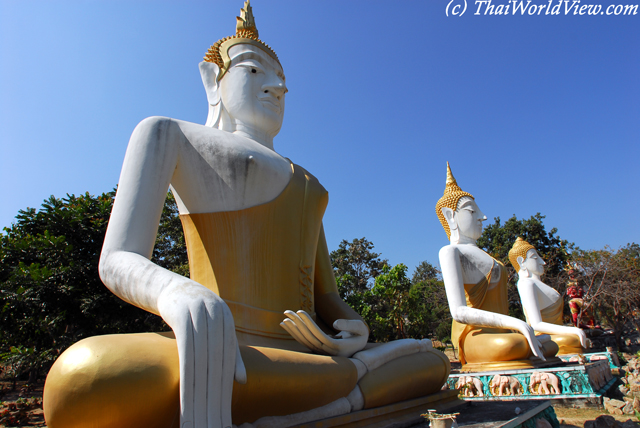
{"type": "Point", "coordinates": [507, 384]}
{"type": "Point", "coordinates": [544, 380]}
{"type": "Point", "coordinates": [471, 386]}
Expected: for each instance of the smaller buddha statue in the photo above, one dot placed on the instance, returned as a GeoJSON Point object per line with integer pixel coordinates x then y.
{"type": "Point", "coordinates": [542, 304]}
{"type": "Point", "coordinates": [476, 285]}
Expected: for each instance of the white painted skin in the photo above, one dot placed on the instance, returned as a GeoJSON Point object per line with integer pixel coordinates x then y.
{"type": "Point", "coordinates": [462, 262]}
{"type": "Point", "coordinates": [535, 296]}
{"type": "Point", "coordinates": [231, 166]}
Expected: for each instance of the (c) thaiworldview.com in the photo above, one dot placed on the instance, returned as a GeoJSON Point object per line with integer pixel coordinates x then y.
{"type": "Point", "coordinates": [531, 8]}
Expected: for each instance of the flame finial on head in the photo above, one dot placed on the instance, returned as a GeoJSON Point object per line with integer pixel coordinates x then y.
{"type": "Point", "coordinates": [246, 32]}
{"type": "Point", "coordinates": [246, 22]}
{"type": "Point", "coordinates": [519, 249]}
{"type": "Point", "coordinates": [452, 194]}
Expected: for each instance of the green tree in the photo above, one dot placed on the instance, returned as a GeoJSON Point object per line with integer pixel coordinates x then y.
{"type": "Point", "coordinates": [50, 293]}
{"type": "Point", "coordinates": [170, 250]}
{"type": "Point", "coordinates": [425, 271]}
{"type": "Point", "coordinates": [390, 305]}
{"type": "Point", "coordinates": [432, 317]}
{"type": "Point", "coordinates": [355, 265]}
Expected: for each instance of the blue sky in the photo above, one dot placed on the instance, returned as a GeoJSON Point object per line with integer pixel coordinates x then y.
{"type": "Point", "coordinates": [534, 113]}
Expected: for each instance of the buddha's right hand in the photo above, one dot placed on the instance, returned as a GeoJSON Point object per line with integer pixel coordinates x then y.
{"type": "Point", "coordinates": [208, 352]}
{"type": "Point", "coordinates": [534, 343]}
{"type": "Point", "coordinates": [351, 339]}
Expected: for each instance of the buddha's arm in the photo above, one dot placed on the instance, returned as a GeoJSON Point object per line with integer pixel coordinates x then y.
{"type": "Point", "coordinates": [201, 321]}
{"type": "Point", "coordinates": [531, 305]}
{"type": "Point", "coordinates": [151, 158]}
{"type": "Point", "coordinates": [453, 277]}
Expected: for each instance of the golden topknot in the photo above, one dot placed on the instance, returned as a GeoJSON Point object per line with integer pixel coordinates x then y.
{"type": "Point", "coordinates": [452, 194]}
{"type": "Point", "coordinates": [519, 249]}
{"type": "Point", "coordinates": [246, 32]}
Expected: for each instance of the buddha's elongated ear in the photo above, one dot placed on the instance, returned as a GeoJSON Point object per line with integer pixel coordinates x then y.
{"type": "Point", "coordinates": [209, 73]}
{"type": "Point", "coordinates": [523, 272]}
{"type": "Point", "coordinates": [449, 216]}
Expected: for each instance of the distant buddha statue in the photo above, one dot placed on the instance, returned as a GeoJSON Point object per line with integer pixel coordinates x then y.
{"type": "Point", "coordinates": [476, 286]}
{"type": "Point", "coordinates": [542, 304]}
{"type": "Point", "coordinates": [257, 253]}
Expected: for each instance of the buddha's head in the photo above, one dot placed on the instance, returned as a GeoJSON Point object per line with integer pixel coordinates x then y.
{"type": "Point", "coordinates": [525, 259]}
{"type": "Point", "coordinates": [458, 212]}
{"type": "Point", "coordinates": [244, 81]}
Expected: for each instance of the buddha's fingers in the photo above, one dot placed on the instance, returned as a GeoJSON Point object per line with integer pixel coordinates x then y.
{"type": "Point", "coordinates": [231, 355]}
{"type": "Point", "coordinates": [202, 334]}
{"type": "Point", "coordinates": [303, 328]}
{"type": "Point", "coordinates": [535, 346]}
{"type": "Point", "coordinates": [292, 329]}
{"type": "Point", "coordinates": [327, 344]}
{"type": "Point", "coordinates": [240, 374]}
{"type": "Point", "coordinates": [356, 327]}
{"type": "Point", "coordinates": [186, 354]}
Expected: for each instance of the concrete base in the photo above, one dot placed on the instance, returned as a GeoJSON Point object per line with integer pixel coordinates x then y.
{"type": "Point", "coordinates": [398, 415]}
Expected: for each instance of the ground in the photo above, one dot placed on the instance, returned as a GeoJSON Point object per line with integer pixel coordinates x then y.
{"type": "Point", "coordinates": [570, 418]}
{"type": "Point", "coordinates": [21, 407]}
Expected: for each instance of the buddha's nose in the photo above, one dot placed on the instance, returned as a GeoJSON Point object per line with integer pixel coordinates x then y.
{"type": "Point", "coordinates": [276, 86]}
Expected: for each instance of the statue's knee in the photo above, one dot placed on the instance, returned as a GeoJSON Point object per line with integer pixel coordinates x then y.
{"type": "Point", "coordinates": [550, 348]}
{"type": "Point", "coordinates": [404, 378]}
{"type": "Point", "coordinates": [114, 381]}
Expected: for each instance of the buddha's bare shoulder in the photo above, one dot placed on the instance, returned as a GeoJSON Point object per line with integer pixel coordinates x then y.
{"type": "Point", "coordinates": [169, 129]}
{"type": "Point", "coordinates": [458, 250]}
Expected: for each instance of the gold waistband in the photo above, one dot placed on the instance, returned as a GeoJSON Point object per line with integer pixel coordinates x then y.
{"type": "Point", "coordinates": [257, 321]}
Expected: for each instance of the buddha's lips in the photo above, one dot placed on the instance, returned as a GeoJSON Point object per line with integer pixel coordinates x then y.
{"type": "Point", "coordinates": [270, 101]}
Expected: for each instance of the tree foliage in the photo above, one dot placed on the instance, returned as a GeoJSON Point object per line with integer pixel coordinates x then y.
{"type": "Point", "coordinates": [355, 265]}
{"type": "Point", "coordinates": [170, 250]}
{"type": "Point", "coordinates": [50, 292]}
{"type": "Point", "coordinates": [611, 280]}
{"type": "Point", "coordinates": [394, 306]}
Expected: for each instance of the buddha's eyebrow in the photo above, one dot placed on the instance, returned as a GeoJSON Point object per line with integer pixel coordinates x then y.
{"type": "Point", "coordinates": [262, 59]}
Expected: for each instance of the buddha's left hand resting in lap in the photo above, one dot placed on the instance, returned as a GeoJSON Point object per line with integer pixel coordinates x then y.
{"type": "Point", "coordinates": [253, 227]}
{"type": "Point", "coordinates": [542, 304]}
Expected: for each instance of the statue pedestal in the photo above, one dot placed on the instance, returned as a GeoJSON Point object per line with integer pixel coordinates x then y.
{"type": "Point", "coordinates": [510, 365]}
{"type": "Point", "coordinates": [612, 358]}
{"type": "Point", "coordinates": [587, 382]}
{"type": "Point", "coordinates": [405, 413]}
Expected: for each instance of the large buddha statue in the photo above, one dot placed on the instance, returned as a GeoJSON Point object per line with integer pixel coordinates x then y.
{"type": "Point", "coordinates": [257, 254]}
{"type": "Point", "coordinates": [476, 286]}
{"type": "Point", "coordinates": [542, 304]}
